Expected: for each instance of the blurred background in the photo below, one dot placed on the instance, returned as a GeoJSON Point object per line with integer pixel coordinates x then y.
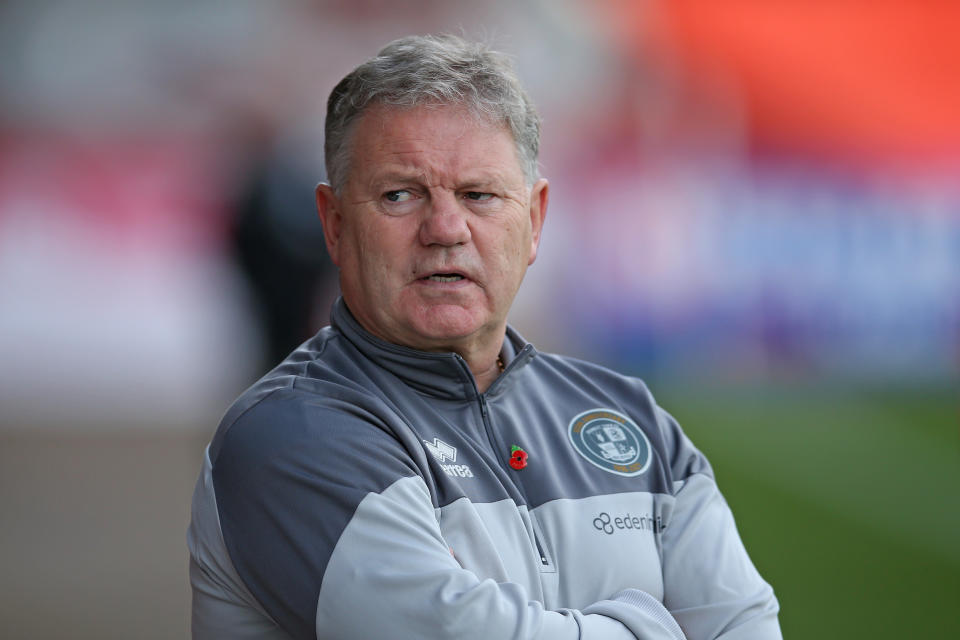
{"type": "Point", "coordinates": [754, 207]}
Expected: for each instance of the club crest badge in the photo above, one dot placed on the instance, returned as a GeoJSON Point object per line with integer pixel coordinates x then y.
{"type": "Point", "coordinates": [611, 441]}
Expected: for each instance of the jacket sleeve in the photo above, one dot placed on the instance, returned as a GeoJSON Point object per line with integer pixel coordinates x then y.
{"type": "Point", "coordinates": [391, 575]}
{"type": "Point", "coordinates": [710, 585]}
{"type": "Point", "coordinates": [335, 535]}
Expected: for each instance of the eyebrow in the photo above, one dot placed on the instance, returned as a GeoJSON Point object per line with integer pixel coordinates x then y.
{"type": "Point", "coordinates": [482, 179]}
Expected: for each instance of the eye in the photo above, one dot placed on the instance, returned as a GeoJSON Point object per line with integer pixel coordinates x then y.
{"type": "Point", "coordinates": [400, 195]}
{"type": "Point", "coordinates": [478, 196]}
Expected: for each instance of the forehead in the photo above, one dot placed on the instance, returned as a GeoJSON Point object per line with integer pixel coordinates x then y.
{"type": "Point", "coordinates": [440, 141]}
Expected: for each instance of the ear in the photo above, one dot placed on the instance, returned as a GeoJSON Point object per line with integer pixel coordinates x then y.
{"type": "Point", "coordinates": [328, 208]}
{"type": "Point", "coordinates": [538, 211]}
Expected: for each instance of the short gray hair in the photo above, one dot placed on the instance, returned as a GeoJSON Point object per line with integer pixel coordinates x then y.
{"type": "Point", "coordinates": [432, 70]}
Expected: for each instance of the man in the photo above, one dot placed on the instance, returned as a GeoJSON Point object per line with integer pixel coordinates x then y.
{"type": "Point", "coordinates": [418, 470]}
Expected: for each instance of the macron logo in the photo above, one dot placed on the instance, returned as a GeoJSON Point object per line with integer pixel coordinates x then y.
{"type": "Point", "coordinates": [444, 453]}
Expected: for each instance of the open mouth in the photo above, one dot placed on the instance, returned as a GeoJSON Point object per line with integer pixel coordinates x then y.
{"type": "Point", "coordinates": [444, 277]}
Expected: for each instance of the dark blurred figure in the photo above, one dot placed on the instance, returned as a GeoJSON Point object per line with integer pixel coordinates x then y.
{"type": "Point", "coordinates": [278, 244]}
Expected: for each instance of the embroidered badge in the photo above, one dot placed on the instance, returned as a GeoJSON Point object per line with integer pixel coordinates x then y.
{"type": "Point", "coordinates": [611, 441]}
{"type": "Point", "coordinates": [445, 454]}
{"type": "Point", "coordinates": [442, 451]}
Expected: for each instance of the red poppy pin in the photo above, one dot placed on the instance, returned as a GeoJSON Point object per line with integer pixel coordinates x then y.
{"type": "Point", "coordinates": [518, 457]}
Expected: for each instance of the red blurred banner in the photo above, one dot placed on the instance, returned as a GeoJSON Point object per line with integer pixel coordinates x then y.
{"type": "Point", "coordinates": [853, 80]}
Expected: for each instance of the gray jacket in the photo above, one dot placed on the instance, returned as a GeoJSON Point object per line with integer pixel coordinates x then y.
{"type": "Point", "coordinates": [364, 490]}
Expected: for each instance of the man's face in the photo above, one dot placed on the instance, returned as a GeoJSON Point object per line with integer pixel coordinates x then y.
{"type": "Point", "coordinates": [434, 228]}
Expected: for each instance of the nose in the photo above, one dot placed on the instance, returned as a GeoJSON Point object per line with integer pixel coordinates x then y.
{"type": "Point", "coordinates": [445, 221]}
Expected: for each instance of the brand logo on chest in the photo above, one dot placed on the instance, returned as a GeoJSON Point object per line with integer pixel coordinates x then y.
{"type": "Point", "coordinates": [446, 454]}
{"type": "Point", "coordinates": [611, 441]}
{"type": "Point", "coordinates": [626, 522]}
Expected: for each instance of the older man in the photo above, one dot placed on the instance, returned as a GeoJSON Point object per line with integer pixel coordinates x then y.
{"type": "Point", "coordinates": [417, 469]}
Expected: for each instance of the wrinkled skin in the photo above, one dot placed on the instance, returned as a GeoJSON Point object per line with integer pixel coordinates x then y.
{"type": "Point", "coordinates": [433, 230]}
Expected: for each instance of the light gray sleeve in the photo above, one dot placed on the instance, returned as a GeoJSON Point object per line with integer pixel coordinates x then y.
{"type": "Point", "coordinates": [710, 585]}
{"type": "Point", "coordinates": [222, 607]}
{"type": "Point", "coordinates": [644, 615]}
{"type": "Point", "coordinates": [391, 575]}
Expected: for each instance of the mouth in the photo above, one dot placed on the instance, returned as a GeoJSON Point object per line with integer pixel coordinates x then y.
{"type": "Point", "coordinates": [443, 277]}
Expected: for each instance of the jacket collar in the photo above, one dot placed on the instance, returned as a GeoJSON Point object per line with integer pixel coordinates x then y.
{"type": "Point", "coordinates": [444, 375]}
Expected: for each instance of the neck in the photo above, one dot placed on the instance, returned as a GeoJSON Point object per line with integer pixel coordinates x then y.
{"type": "Point", "coordinates": [484, 374]}
{"type": "Point", "coordinates": [484, 363]}
{"type": "Point", "coordinates": [481, 352]}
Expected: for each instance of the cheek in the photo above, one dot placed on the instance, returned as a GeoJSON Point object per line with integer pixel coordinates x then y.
{"type": "Point", "coordinates": [512, 250]}
{"type": "Point", "coordinates": [518, 244]}
{"type": "Point", "coordinates": [380, 258]}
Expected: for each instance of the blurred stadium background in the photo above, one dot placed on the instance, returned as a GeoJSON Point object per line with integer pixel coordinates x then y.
{"type": "Point", "coordinates": [754, 206]}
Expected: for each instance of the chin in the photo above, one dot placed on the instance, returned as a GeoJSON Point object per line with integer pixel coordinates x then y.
{"type": "Point", "coordinates": [448, 323]}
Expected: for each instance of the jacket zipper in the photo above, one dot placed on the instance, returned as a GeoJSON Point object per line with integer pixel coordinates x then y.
{"type": "Point", "coordinates": [543, 556]}
{"type": "Point", "coordinates": [484, 412]}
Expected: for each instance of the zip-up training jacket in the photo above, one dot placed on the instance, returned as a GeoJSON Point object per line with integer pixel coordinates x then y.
{"type": "Point", "coordinates": [367, 490]}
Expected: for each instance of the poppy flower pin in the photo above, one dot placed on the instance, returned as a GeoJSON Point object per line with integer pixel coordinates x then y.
{"type": "Point", "coordinates": [518, 457]}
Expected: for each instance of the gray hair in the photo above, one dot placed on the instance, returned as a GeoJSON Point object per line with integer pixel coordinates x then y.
{"type": "Point", "coordinates": [432, 70]}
